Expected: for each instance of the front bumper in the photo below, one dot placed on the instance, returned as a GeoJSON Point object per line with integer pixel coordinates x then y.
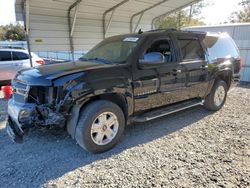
{"type": "Point", "coordinates": [16, 125]}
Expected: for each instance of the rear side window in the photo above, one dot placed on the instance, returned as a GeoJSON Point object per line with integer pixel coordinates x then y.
{"type": "Point", "coordinates": [20, 56]}
{"type": "Point", "coordinates": [5, 56]}
{"type": "Point", "coordinates": [221, 47]}
{"type": "Point", "coordinates": [190, 49]}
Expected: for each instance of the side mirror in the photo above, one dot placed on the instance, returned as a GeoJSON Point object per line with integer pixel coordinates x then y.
{"type": "Point", "coordinates": [151, 60]}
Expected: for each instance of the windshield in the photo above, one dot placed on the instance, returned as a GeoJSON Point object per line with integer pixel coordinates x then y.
{"type": "Point", "coordinates": [110, 52]}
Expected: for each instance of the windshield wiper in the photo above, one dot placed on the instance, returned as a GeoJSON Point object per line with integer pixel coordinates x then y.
{"type": "Point", "coordinates": [83, 59]}
{"type": "Point", "coordinates": [96, 59]}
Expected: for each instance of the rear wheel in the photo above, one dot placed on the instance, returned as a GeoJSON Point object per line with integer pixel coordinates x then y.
{"type": "Point", "coordinates": [217, 97]}
{"type": "Point", "coordinates": [100, 126]}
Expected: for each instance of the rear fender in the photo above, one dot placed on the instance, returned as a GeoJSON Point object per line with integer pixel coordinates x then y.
{"type": "Point", "coordinates": [225, 75]}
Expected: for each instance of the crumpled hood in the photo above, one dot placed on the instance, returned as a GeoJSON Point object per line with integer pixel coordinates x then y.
{"type": "Point", "coordinates": [45, 74]}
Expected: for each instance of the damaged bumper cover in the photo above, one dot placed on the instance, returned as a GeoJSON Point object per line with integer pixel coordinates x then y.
{"type": "Point", "coordinates": [19, 119]}
{"type": "Point", "coordinates": [22, 116]}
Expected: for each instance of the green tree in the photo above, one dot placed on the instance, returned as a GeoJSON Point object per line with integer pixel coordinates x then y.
{"type": "Point", "coordinates": [12, 32]}
{"type": "Point", "coordinates": [2, 31]}
{"type": "Point", "coordinates": [189, 16]}
{"type": "Point", "coordinates": [177, 20]}
{"type": "Point", "coordinates": [242, 15]}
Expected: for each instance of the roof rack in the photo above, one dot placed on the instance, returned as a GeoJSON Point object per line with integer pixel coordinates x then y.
{"type": "Point", "coordinates": [12, 47]}
{"type": "Point", "coordinates": [193, 31]}
{"type": "Point", "coordinates": [166, 30]}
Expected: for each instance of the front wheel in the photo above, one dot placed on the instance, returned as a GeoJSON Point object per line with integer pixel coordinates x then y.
{"type": "Point", "coordinates": [217, 97]}
{"type": "Point", "coordinates": [100, 126]}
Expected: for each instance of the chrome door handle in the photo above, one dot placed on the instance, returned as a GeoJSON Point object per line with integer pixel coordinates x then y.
{"type": "Point", "coordinates": [156, 82]}
{"type": "Point", "coordinates": [177, 70]}
{"type": "Point", "coordinates": [203, 66]}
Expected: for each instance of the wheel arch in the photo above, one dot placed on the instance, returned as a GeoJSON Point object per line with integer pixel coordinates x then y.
{"type": "Point", "coordinates": [226, 76]}
{"type": "Point", "coordinates": [117, 98]}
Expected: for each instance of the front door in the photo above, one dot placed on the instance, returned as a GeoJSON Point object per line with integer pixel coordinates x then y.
{"type": "Point", "coordinates": [161, 85]}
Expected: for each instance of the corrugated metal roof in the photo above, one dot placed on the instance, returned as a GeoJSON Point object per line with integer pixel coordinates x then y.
{"type": "Point", "coordinates": [49, 23]}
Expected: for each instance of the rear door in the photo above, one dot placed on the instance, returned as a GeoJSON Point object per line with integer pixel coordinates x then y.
{"type": "Point", "coordinates": [7, 67]}
{"type": "Point", "coordinates": [194, 62]}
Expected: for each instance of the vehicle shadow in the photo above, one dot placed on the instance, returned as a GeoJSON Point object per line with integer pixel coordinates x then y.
{"type": "Point", "coordinates": [49, 154]}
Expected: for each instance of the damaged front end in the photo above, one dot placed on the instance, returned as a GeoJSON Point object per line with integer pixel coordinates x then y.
{"type": "Point", "coordinates": [32, 106]}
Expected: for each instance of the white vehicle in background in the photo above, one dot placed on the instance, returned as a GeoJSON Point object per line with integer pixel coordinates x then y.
{"type": "Point", "coordinates": [13, 60]}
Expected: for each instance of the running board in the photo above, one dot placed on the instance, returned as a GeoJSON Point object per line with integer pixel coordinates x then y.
{"type": "Point", "coordinates": [167, 110]}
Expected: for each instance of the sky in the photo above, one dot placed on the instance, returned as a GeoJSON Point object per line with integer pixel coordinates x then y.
{"type": "Point", "coordinates": [7, 12]}
{"type": "Point", "coordinates": [217, 13]}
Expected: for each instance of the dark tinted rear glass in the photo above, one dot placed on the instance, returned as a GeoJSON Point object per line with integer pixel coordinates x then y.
{"type": "Point", "coordinates": [5, 56]}
{"type": "Point", "coordinates": [190, 49]}
{"type": "Point", "coordinates": [20, 56]}
{"type": "Point", "coordinates": [221, 47]}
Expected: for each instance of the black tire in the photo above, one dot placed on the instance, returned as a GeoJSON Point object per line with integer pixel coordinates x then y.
{"type": "Point", "coordinates": [210, 103]}
{"type": "Point", "coordinates": [88, 115]}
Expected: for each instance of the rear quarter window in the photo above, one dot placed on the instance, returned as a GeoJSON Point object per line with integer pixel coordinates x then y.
{"type": "Point", "coordinates": [20, 56]}
{"type": "Point", "coordinates": [221, 47]}
{"type": "Point", "coordinates": [190, 49]}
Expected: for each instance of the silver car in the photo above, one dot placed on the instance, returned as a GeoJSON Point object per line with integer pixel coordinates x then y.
{"type": "Point", "coordinates": [13, 60]}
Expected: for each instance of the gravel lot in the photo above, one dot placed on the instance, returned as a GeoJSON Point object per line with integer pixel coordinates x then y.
{"type": "Point", "coordinates": [193, 148]}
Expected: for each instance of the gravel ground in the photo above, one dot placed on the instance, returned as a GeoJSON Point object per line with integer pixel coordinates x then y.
{"type": "Point", "coordinates": [193, 148]}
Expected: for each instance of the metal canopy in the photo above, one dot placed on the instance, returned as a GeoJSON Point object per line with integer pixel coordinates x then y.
{"type": "Point", "coordinates": [68, 25]}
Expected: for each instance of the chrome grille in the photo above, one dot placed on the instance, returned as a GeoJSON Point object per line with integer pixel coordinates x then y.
{"type": "Point", "coordinates": [20, 91]}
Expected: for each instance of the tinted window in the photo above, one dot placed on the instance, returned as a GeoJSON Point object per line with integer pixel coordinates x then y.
{"type": "Point", "coordinates": [163, 47]}
{"type": "Point", "coordinates": [20, 56]}
{"type": "Point", "coordinates": [190, 49]}
{"type": "Point", "coordinates": [222, 47]}
{"type": "Point", "coordinates": [5, 56]}
{"type": "Point", "coordinates": [116, 51]}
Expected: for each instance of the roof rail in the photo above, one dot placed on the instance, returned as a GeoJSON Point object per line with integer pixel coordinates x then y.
{"type": "Point", "coordinates": [12, 47]}
{"type": "Point", "coordinates": [193, 31]}
{"type": "Point", "coordinates": [166, 30]}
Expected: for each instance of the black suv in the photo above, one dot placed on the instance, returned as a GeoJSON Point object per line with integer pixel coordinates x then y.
{"type": "Point", "coordinates": [126, 78]}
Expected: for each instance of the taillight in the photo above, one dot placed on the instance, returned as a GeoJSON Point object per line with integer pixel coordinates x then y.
{"type": "Point", "coordinates": [241, 63]}
{"type": "Point", "coordinates": [41, 62]}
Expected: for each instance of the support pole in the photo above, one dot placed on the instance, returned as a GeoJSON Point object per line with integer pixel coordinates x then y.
{"type": "Point", "coordinates": [110, 20]}
{"type": "Point", "coordinates": [138, 22]}
{"type": "Point", "coordinates": [112, 10]}
{"type": "Point", "coordinates": [142, 12]}
{"type": "Point", "coordinates": [71, 27]}
{"type": "Point", "coordinates": [26, 16]}
{"type": "Point", "coordinates": [74, 21]}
